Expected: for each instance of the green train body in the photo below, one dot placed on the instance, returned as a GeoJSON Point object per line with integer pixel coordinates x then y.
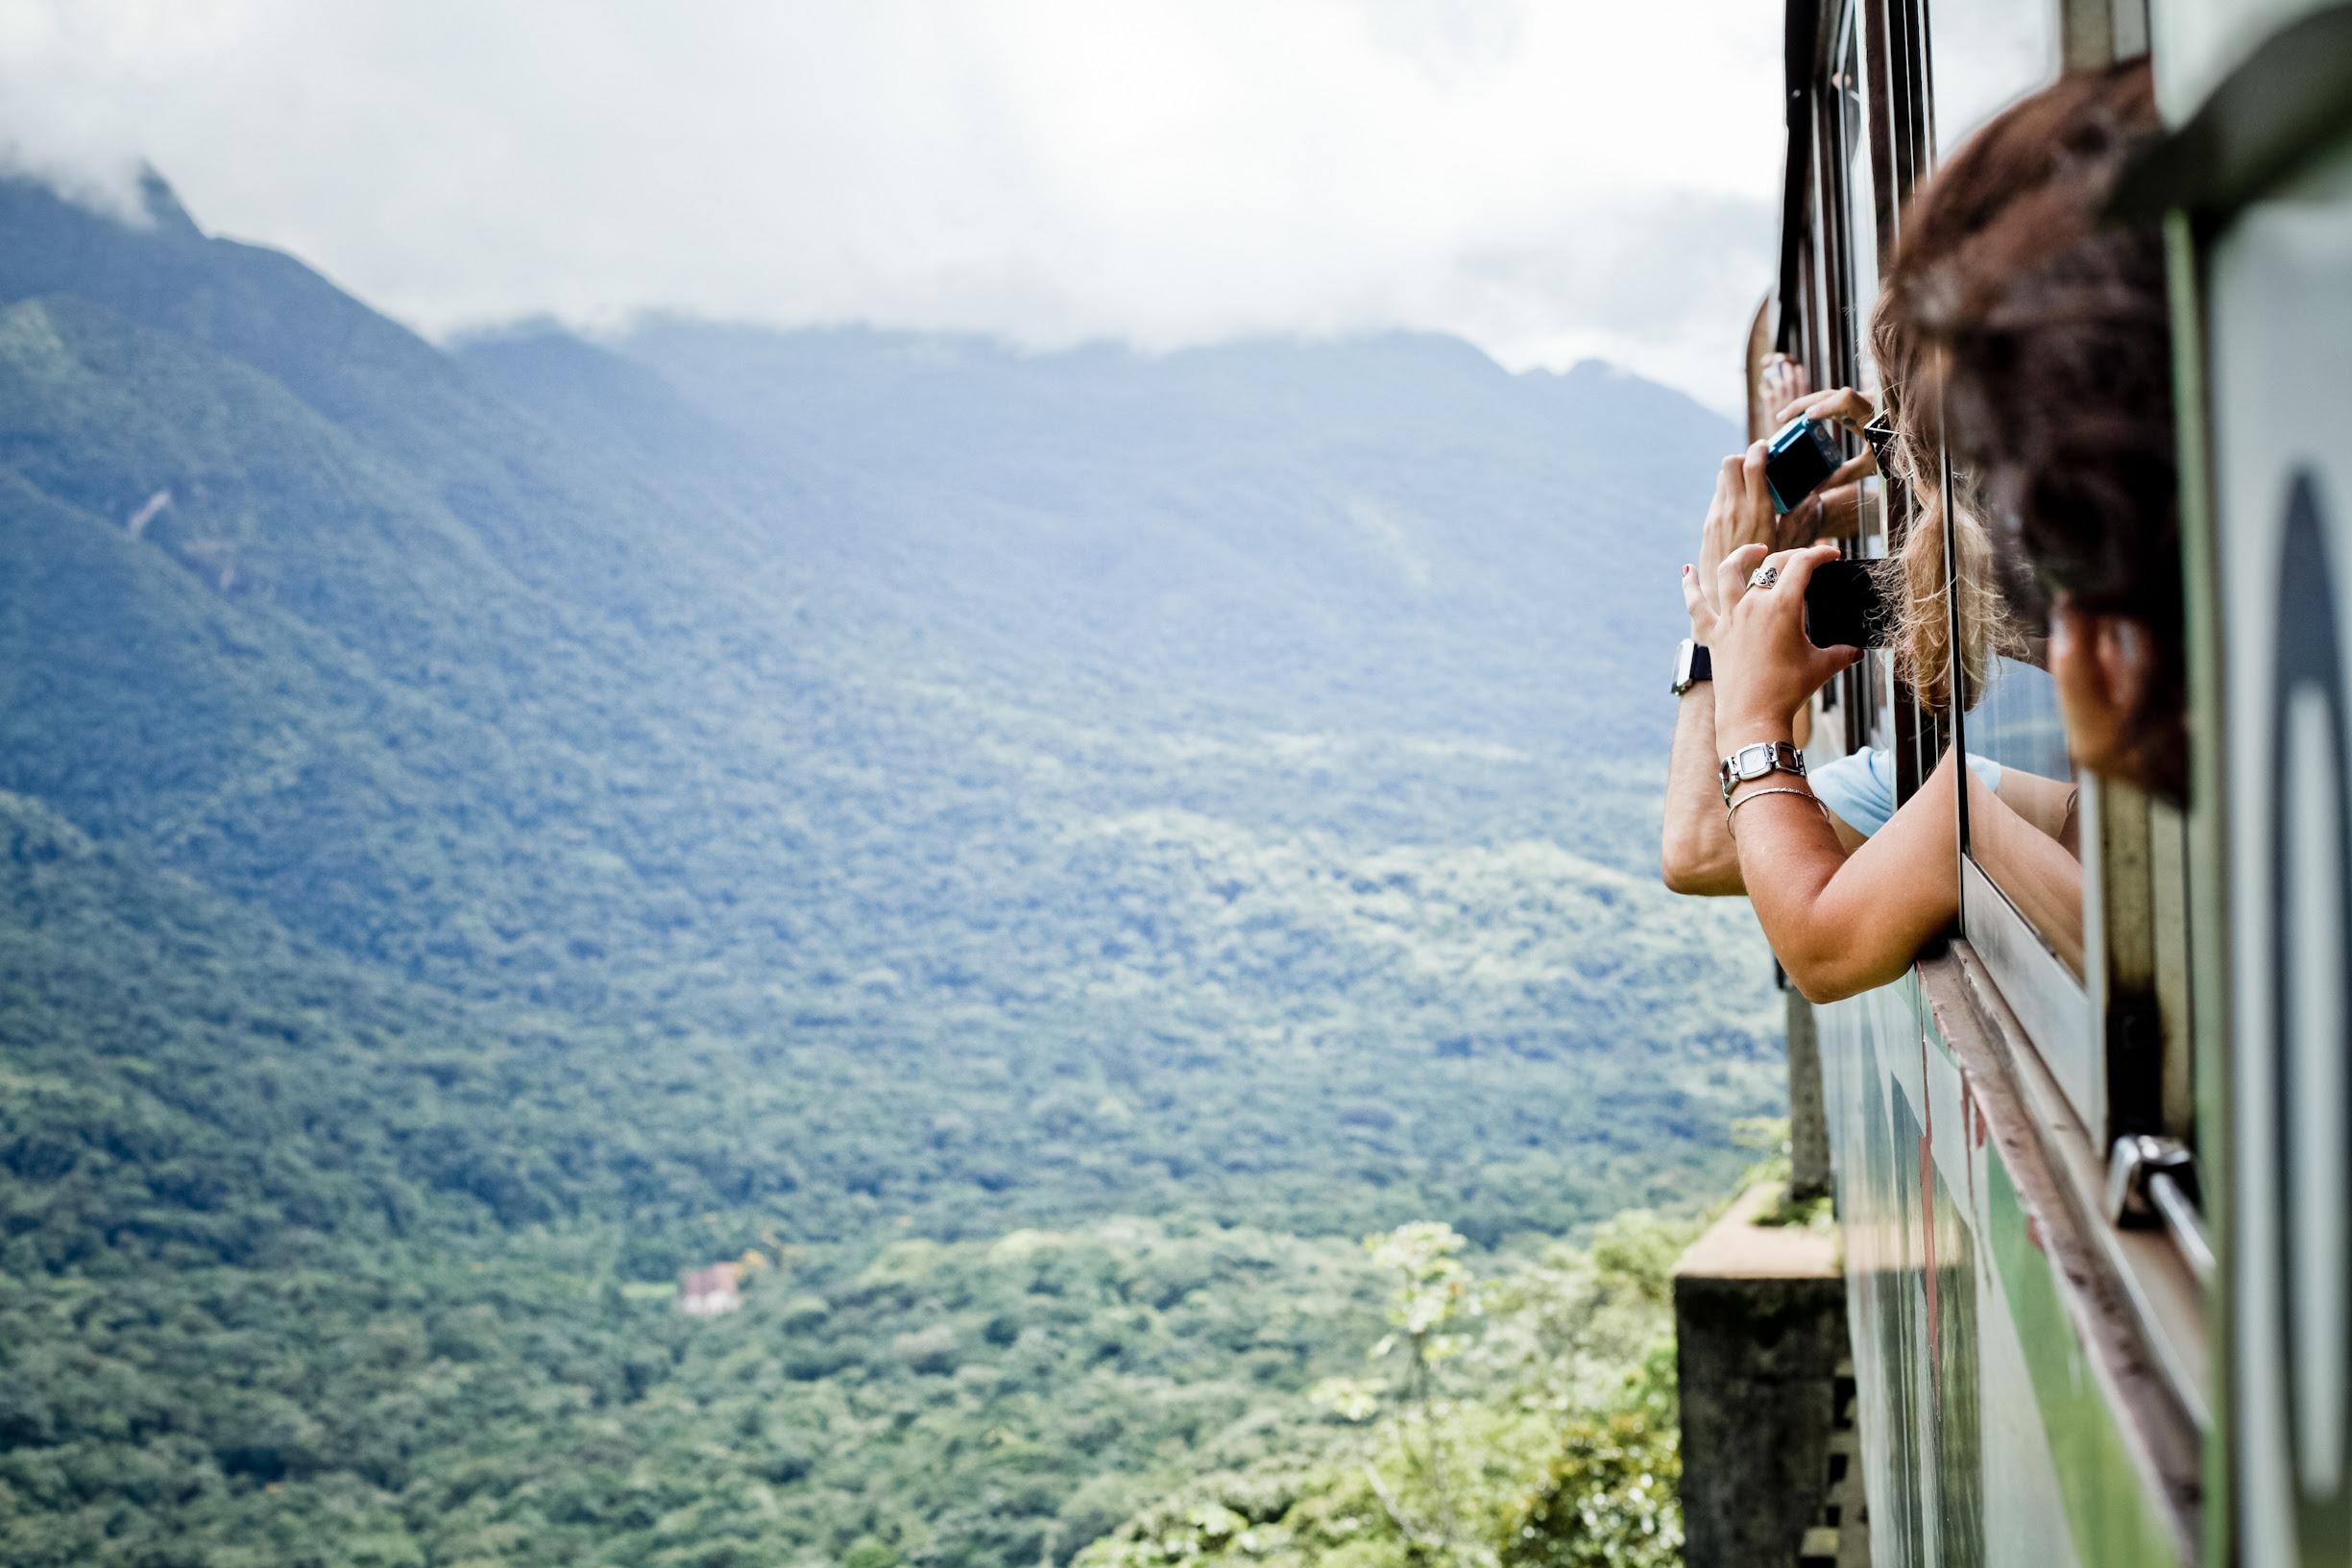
{"type": "Point", "coordinates": [2097, 1208]}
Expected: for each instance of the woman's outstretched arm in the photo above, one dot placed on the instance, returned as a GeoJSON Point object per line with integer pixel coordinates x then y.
{"type": "Point", "coordinates": [1839, 924]}
{"type": "Point", "coordinates": [1842, 924]}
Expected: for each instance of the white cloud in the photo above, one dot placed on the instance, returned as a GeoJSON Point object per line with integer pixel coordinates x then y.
{"type": "Point", "coordinates": [1550, 179]}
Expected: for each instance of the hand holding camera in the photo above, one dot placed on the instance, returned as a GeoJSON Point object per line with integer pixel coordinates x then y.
{"type": "Point", "coordinates": [1764, 667]}
{"type": "Point", "coordinates": [1742, 513]}
{"type": "Point", "coordinates": [1804, 457]}
{"type": "Point", "coordinates": [1762, 495]}
{"type": "Point", "coordinates": [1747, 507]}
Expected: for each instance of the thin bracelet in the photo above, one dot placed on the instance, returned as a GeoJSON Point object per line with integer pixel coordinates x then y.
{"type": "Point", "coordinates": [1732, 826]}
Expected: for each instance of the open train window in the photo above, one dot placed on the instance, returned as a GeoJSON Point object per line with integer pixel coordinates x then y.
{"type": "Point", "coordinates": [2021, 864]}
{"type": "Point", "coordinates": [2088, 947]}
{"type": "Point", "coordinates": [2023, 869]}
{"type": "Point", "coordinates": [2085, 937]}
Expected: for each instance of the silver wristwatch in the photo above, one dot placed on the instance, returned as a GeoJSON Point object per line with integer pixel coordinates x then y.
{"type": "Point", "coordinates": [1750, 762]}
{"type": "Point", "coordinates": [1691, 665]}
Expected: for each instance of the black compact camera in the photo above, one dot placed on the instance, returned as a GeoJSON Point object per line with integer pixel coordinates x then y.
{"type": "Point", "coordinates": [1846, 604]}
{"type": "Point", "coordinates": [1801, 454]}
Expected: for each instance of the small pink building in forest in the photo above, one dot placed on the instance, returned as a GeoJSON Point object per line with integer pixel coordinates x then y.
{"type": "Point", "coordinates": [706, 1292]}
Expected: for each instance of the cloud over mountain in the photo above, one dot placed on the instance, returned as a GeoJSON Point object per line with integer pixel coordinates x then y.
{"type": "Point", "coordinates": [1554, 182]}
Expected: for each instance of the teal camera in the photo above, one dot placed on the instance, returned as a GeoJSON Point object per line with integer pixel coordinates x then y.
{"type": "Point", "coordinates": [1801, 454]}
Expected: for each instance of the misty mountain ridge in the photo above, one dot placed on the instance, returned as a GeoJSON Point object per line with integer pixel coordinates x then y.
{"type": "Point", "coordinates": [1392, 529]}
{"type": "Point", "coordinates": [484, 829]}
{"type": "Point", "coordinates": [1260, 524]}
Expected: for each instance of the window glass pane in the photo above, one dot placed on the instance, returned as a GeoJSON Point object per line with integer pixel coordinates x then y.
{"type": "Point", "coordinates": [2024, 824]}
{"type": "Point", "coordinates": [2016, 721]}
{"type": "Point", "coordinates": [1861, 207]}
{"type": "Point", "coordinates": [1987, 54]}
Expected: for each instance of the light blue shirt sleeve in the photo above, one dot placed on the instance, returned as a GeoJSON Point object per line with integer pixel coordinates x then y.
{"type": "Point", "coordinates": [1859, 788]}
{"type": "Point", "coordinates": [1985, 768]}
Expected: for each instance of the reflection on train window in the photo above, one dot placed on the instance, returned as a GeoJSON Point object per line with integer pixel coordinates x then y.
{"type": "Point", "coordinates": [1862, 286]}
{"type": "Point", "coordinates": [2024, 828]}
{"type": "Point", "coordinates": [1988, 55]}
{"type": "Point", "coordinates": [2016, 722]}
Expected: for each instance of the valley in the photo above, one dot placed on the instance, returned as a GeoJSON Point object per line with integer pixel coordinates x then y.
{"type": "Point", "coordinates": [1048, 851]}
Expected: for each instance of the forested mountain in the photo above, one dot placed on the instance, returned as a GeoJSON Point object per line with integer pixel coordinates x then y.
{"type": "Point", "coordinates": [1387, 533]}
{"type": "Point", "coordinates": [486, 831]}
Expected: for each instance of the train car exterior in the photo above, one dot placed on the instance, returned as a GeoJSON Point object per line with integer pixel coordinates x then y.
{"type": "Point", "coordinates": [2095, 1184]}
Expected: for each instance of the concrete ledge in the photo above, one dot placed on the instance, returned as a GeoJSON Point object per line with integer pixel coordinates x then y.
{"type": "Point", "coordinates": [1736, 1247]}
{"type": "Point", "coordinates": [1759, 1323]}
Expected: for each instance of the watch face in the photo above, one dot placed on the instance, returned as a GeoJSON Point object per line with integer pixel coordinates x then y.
{"type": "Point", "coordinates": [1756, 761]}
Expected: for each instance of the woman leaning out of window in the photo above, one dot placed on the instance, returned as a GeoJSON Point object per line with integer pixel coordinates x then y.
{"type": "Point", "coordinates": [2036, 339]}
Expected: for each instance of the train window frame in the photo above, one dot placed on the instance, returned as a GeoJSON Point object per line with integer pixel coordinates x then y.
{"type": "Point", "coordinates": [2051, 1002]}
{"type": "Point", "coordinates": [2116, 1036]}
{"type": "Point", "coordinates": [2000, 994]}
{"type": "Point", "coordinates": [2059, 1013]}
{"type": "Point", "coordinates": [2053, 1007]}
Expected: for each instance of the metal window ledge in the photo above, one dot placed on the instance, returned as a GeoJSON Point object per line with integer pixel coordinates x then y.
{"type": "Point", "coordinates": [2138, 1306]}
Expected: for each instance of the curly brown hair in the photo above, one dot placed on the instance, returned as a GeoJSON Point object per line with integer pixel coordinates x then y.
{"type": "Point", "coordinates": [2036, 337]}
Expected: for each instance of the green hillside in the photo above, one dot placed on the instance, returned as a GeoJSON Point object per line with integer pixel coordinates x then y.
{"type": "Point", "coordinates": [462, 868]}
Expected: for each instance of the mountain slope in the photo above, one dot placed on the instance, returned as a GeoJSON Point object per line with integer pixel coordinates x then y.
{"type": "Point", "coordinates": [1391, 533]}
{"type": "Point", "coordinates": [336, 673]}
{"type": "Point", "coordinates": [534, 820]}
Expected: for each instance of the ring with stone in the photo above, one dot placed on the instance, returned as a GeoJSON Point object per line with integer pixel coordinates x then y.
{"type": "Point", "coordinates": [1763, 577]}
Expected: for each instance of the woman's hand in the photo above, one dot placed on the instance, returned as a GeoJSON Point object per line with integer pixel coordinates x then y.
{"type": "Point", "coordinates": [1741, 514]}
{"type": "Point", "coordinates": [1782, 381]}
{"type": "Point", "coordinates": [1764, 668]}
{"type": "Point", "coordinates": [1788, 390]}
{"type": "Point", "coordinates": [1840, 405]}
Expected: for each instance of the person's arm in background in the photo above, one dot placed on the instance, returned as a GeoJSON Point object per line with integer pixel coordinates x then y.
{"type": "Point", "coordinates": [2025, 838]}
{"type": "Point", "coordinates": [1698, 855]}
{"type": "Point", "coordinates": [2048, 804]}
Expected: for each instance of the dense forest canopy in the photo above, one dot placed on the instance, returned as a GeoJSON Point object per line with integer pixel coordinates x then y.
{"type": "Point", "coordinates": [1039, 854]}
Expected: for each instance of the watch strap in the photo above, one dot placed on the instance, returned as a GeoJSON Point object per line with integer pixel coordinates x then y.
{"type": "Point", "coordinates": [1691, 665]}
{"type": "Point", "coordinates": [1751, 762]}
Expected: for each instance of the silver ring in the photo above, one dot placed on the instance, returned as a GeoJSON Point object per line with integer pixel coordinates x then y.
{"type": "Point", "coordinates": [1763, 577]}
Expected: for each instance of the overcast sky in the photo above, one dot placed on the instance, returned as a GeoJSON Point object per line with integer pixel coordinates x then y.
{"type": "Point", "coordinates": [1552, 179]}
